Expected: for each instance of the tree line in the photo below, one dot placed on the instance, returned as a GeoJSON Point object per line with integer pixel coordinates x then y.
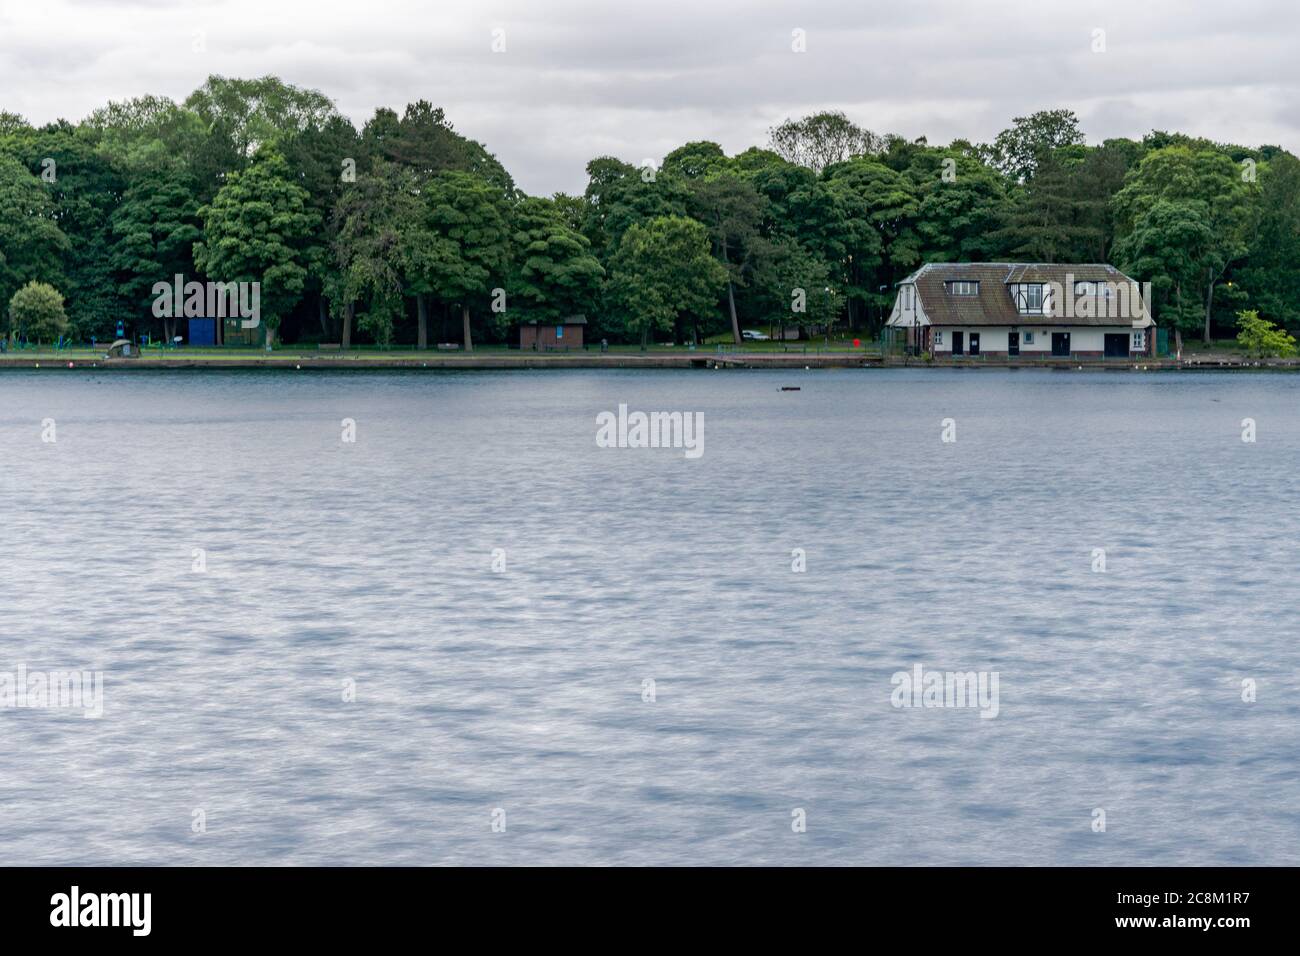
{"type": "Point", "coordinates": [405, 231]}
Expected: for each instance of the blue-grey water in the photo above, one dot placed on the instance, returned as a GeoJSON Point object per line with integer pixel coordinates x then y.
{"type": "Point", "coordinates": [369, 564]}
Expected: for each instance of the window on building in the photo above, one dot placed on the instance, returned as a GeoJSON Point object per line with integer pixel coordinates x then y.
{"type": "Point", "coordinates": [1100, 289]}
{"type": "Point", "coordinates": [964, 287]}
{"type": "Point", "coordinates": [559, 331]}
{"type": "Point", "coordinates": [938, 336]}
{"type": "Point", "coordinates": [1139, 340]}
{"type": "Point", "coordinates": [1029, 299]}
{"type": "Point", "coordinates": [1029, 338]}
{"type": "Point", "coordinates": [908, 292]}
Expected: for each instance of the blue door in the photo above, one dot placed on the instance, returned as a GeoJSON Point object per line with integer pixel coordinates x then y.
{"type": "Point", "coordinates": [203, 332]}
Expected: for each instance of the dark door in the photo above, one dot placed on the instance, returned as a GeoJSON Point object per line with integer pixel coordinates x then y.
{"type": "Point", "coordinates": [203, 331]}
{"type": "Point", "coordinates": [1116, 345]}
{"type": "Point", "coordinates": [974, 343]}
{"type": "Point", "coordinates": [957, 344]}
{"type": "Point", "coordinates": [1060, 343]}
{"type": "Point", "coordinates": [1013, 343]}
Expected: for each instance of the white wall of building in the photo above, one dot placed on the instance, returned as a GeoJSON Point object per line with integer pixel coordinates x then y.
{"type": "Point", "coordinates": [994, 338]}
{"type": "Point", "coordinates": [907, 310]}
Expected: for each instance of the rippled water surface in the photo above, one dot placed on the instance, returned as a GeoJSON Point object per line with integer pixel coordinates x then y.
{"type": "Point", "coordinates": [329, 562]}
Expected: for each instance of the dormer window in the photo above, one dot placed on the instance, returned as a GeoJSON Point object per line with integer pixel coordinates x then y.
{"type": "Point", "coordinates": [1093, 288]}
{"type": "Point", "coordinates": [1028, 298]}
{"type": "Point", "coordinates": [963, 287]}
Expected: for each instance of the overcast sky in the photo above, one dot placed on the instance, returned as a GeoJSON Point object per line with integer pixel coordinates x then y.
{"type": "Point", "coordinates": [582, 78]}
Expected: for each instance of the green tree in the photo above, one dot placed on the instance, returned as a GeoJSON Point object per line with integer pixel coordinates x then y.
{"type": "Point", "coordinates": [1223, 197]}
{"type": "Point", "coordinates": [880, 206]}
{"type": "Point", "coordinates": [1167, 247]}
{"type": "Point", "coordinates": [255, 230]}
{"type": "Point", "coordinates": [619, 195]}
{"type": "Point", "coordinates": [1262, 338]}
{"type": "Point", "coordinates": [734, 212]}
{"type": "Point", "coordinates": [154, 230]}
{"type": "Point", "coordinates": [325, 160]}
{"type": "Point", "coordinates": [383, 309]}
{"type": "Point", "coordinates": [1018, 149]}
{"type": "Point", "coordinates": [152, 132]}
{"type": "Point", "coordinates": [246, 115]}
{"type": "Point", "coordinates": [821, 139]}
{"type": "Point", "coordinates": [374, 223]}
{"type": "Point", "coordinates": [803, 207]}
{"type": "Point", "coordinates": [697, 160]}
{"type": "Point", "coordinates": [554, 273]}
{"type": "Point", "coordinates": [962, 205]}
{"type": "Point", "coordinates": [11, 124]}
{"type": "Point", "coordinates": [36, 313]}
{"type": "Point", "coordinates": [471, 214]}
{"type": "Point", "coordinates": [1271, 271]}
{"type": "Point", "coordinates": [1093, 183]}
{"type": "Point", "coordinates": [791, 286]}
{"type": "Point", "coordinates": [1049, 220]}
{"type": "Point", "coordinates": [31, 243]}
{"type": "Point", "coordinates": [573, 210]}
{"type": "Point", "coordinates": [83, 186]}
{"type": "Point", "coordinates": [664, 270]}
{"type": "Point", "coordinates": [424, 141]}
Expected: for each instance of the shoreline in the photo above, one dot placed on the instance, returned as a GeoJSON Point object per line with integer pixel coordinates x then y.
{"type": "Point", "coordinates": [694, 360]}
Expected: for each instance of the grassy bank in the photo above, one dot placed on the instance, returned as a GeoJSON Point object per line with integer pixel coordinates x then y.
{"type": "Point", "coordinates": [816, 354]}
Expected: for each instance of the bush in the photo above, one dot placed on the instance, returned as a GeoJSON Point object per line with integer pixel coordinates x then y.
{"type": "Point", "coordinates": [36, 313]}
{"type": "Point", "coordinates": [1262, 338]}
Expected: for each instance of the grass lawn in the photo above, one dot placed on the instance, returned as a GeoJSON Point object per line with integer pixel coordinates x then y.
{"type": "Point", "coordinates": [364, 353]}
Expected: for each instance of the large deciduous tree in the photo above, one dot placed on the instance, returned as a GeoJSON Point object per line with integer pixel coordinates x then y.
{"type": "Point", "coordinates": [880, 207]}
{"type": "Point", "coordinates": [818, 140]}
{"type": "Point", "coordinates": [791, 286]}
{"type": "Point", "coordinates": [663, 270]}
{"type": "Point", "coordinates": [424, 141]}
{"type": "Point", "coordinates": [1168, 246]}
{"type": "Point", "coordinates": [325, 160]}
{"type": "Point", "coordinates": [471, 215]}
{"type": "Point", "coordinates": [247, 115]}
{"type": "Point", "coordinates": [154, 230]}
{"type": "Point", "coordinates": [1019, 148]}
{"type": "Point", "coordinates": [1271, 273]}
{"type": "Point", "coordinates": [961, 206]}
{"type": "Point", "coordinates": [256, 230]}
{"type": "Point", "coordinates": [1200, 179]}
{"type": "Point", "coordinates": [31, 243]}
{"type": "Point", "coordinates": [554, 272]}
{"type": "Point", "coordinates": [83, 186]}
{"type": "Point", "coordinates": [734, 212]}
{"type": "Point", "coordinates": [374, 225]}
{"type": "Point", "coordinates": [619, 195]}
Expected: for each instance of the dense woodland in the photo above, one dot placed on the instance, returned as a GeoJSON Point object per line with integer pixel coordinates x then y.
{"type": "Point", "coordinates": [402, 232]}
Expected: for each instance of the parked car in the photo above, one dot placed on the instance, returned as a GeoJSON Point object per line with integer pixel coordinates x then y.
{"type": "Point", "coordinates": [749, 335]}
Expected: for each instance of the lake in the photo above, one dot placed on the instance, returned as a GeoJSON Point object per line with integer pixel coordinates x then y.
{"type": "Point", "coordinates": [472, 635]}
